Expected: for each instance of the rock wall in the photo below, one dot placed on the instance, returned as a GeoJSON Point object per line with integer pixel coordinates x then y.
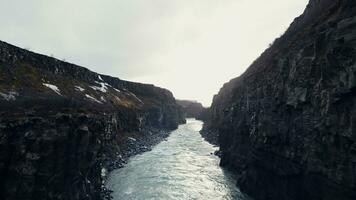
{"type": "Point", "coordinates": [287, 125]}
{"type": "Point", "coordinates": [57, 157]}
{"type": "Point", "coordinates": [192, 109]}
{"type": "Point", "coordinates": [62, 126]}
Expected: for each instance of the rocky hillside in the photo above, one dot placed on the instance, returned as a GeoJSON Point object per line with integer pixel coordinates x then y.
{"type": "Point", "coordinates": [61, 124]}
{"type": "Point", "coordinates": [287, 126]}
{"type": "Point", "coordinates": [192, 109]}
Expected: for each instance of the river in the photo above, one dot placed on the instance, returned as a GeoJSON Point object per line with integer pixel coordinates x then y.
{"type": "Point", "coordinates": [181, 167]}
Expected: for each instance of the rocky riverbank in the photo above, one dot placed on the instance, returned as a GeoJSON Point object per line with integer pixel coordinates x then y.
{"type": "Point", "coordinates": [287, 125]}
{"type": "Point", "coordinates": [133, 145]}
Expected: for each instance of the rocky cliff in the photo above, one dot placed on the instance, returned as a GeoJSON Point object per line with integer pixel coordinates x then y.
{"type": "Point", "coordinates": [192, 109]}
{"type": "Point", "coordinates": [61, 125]}
{"type": "Point", "coordinates": [287, 126]}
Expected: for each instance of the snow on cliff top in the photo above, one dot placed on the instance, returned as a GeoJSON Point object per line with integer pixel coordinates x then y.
{"type": "Point", "coordinates": [53, 87]}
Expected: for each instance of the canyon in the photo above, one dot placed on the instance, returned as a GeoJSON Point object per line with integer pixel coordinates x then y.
{"type": "Point", "coordinates": [285, 129]}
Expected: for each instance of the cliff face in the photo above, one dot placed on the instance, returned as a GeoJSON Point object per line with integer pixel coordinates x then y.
{"type": "Point", "coordinates": [192, 109]}
{"type": "Point", "coordinates": [61, 124]}
{"type": "Point", "coordinates": [287, 126]}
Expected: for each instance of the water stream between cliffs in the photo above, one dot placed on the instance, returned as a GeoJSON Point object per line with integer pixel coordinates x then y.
{"type": "Point", "coordinates": [182, 167]}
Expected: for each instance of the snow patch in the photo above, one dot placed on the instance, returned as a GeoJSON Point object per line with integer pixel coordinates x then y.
{"type": "Point", "coordinates": [103, 87]}
{"type": "Point", "coordinates": [99, 77]}
{"type": "Point", "coordinates": [78, 88]}
{"type": "Point", "coordinates": [10, 96]}
{"type": "Point", "coordinates": [117, 90]}
{"type": "Point", "coordinates": [92, 98]}
{"type": "Point", "coordinates": [102, 99]}
{"type": "Point", "coordinates": [53, 87]}
{"type": "Point", "coordinates": [132, 139]}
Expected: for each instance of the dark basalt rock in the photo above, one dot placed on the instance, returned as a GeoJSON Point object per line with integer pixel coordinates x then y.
{"type": "Point", "coordinates": [62, 126]}
{"type": "Point", "coordinates": [192, 109]}
{"type": "Point", "coordinates": [287, 125]}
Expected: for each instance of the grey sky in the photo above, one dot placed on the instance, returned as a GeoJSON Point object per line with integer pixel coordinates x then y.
{"type": "Point", "coordinates": [190, 47]}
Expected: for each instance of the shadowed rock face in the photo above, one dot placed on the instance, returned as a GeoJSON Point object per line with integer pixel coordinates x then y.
{"type": "Point", "coordinates": [192, 109]}
{"type": "Point", "coordinates": [287, 126]}
{"type": "Point", "coordinates": [60, 124]}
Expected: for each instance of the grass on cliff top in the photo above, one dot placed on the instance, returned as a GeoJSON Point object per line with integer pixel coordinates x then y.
{"type": "Point", "coordinates": [18, 77]}
{"type": "Point", "coordinates": [25, 77]}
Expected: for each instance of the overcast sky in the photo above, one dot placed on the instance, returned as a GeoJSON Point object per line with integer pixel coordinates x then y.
{"type": "Point", "coordinates": [191, 47]}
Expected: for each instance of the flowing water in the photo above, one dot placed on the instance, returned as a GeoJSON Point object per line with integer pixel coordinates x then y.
{"type": "Point", "coordinates": [182, 167]}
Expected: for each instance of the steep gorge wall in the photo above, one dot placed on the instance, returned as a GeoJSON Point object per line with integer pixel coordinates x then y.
{"type": "Point", "coordinates": [62, 125]}
{"type": "Point", "coordinates": [287, 126]}
{"type": "Point", "coordinates": [56, 157]}
{"type": "Point", "coordinates": [192, 109]}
